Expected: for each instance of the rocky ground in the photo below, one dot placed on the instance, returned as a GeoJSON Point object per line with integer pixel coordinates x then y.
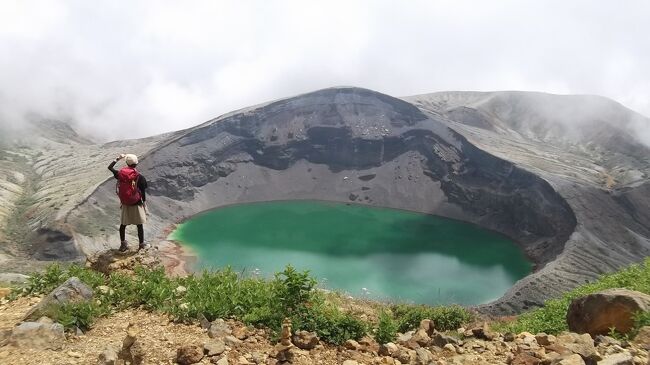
{"type": "Point", "coordinates": [150, 338]}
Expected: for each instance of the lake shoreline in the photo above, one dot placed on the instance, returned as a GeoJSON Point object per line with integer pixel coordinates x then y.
{"type": "Point", "coordinates": [535, 262]}
{"type": "Point", "coordinates": [416, 239]}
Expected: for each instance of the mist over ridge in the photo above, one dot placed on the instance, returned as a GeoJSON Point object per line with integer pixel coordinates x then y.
{"type": "Point", "coordinates": [135, 69]}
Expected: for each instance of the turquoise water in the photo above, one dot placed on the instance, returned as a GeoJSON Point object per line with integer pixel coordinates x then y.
{"type": "Point", "coordinates": [365, 251]}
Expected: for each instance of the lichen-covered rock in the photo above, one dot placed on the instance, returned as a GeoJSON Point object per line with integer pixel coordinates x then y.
{"type": "Point", "coordinates": [597, 313]}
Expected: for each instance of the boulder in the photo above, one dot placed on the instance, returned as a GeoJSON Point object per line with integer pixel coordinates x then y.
{"type": "Point", "coordinates": [35, 335]}
{"type": "Point", "coordinates": [189, 354]}
{"type": "Point", "coordinates": [597, 313]}
{"type": "Point", "coordinates": [71, 291]}
{"type": "Point", "coordinates": [305, 340]}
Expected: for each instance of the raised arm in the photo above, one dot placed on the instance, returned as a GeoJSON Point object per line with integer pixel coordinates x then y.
{"type": "Point", "coordinates": [112, 165]}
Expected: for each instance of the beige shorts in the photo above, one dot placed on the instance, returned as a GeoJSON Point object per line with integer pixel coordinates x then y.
{"type": "Point", "coordinates": [133, 214]}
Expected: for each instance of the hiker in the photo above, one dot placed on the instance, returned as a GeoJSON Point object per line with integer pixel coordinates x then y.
{"type": "Point", "coordinates": [131, 188]}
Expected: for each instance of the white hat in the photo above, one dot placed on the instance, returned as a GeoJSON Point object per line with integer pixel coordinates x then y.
{"type": "Point", "coordinates": [131, 159]}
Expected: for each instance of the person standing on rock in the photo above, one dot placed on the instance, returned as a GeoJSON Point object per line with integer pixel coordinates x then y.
{"type": "Point", "coordinates": [131, 189]}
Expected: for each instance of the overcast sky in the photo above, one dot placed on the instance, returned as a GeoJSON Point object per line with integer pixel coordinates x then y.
{"type": "Point", "coordinates": [134, 68]}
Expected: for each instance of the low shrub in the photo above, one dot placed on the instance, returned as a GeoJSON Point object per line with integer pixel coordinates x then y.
{"type": "Point", "coordinates": [445, 318]}
{"type": "Point", "coordinates": [386, 328]}
{"type": "Point", "coordinates": [228, 294]}
{"type": "Point", "coordinates": [78, 315]}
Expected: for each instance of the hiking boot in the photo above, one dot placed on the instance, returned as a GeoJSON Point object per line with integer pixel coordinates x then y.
{"type": "Point", "coordinates": [143, 246]}
{"type": "Point", "coordinates": [124, 246]}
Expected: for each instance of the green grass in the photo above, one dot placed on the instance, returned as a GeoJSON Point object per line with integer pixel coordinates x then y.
{"type": "Point", "coordinates": [551, 318]}
{"type": "Point", "coordinates": [228, 294]}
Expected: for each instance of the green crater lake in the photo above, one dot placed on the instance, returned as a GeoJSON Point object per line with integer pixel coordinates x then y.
{"type": "Point", "coordinates": [380, 253]}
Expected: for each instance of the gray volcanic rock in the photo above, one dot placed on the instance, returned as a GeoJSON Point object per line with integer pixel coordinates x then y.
{"type": "Point", "coordinates": [585, 147]}
{"type": "Point", "coordinates": [339, 143]}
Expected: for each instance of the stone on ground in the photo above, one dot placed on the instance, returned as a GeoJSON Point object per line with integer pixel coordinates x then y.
{"type": "Point", "coordinates": [525, 359]}
{"type": "Point", "coordinates": [597, 313]}
{"type": "Point", "coordinates": [108, 357]}
{"type": "Point", "coordinates": [574, 359]}
{"type": "Point", "coordinates": [37, 336]}
{"type": "Point", "coordinates": [214, 347]}
{"type": "Point", "coordinates": [582, 345]}
{"type": "Point", "coordinates": [622, 358]}
{"type": "Point", "coordinates": [219, 328]}
{"type": "Point", "coordinates": [71, 291]}
{"type": "Point", "coordinates": [305, 340]}
{"type": "Point", "coordinates": [189, 354]}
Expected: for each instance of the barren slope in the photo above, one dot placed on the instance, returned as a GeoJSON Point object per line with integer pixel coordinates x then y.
{"type": "Point", "coordinates": [584, 146]}
{"type": "Point", "coordinates": [46, 169]}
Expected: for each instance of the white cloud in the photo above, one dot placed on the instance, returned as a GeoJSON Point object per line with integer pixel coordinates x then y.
{"type": "Point", "coordinates": [133, 68]}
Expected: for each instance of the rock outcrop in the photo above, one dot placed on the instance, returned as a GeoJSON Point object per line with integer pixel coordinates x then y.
{"type": "Point", "coordinates": [71, 291]}
{"type": "Point", "coordinates": [587, 149]}
{"type": "Point", "coordinates": [599, 313]}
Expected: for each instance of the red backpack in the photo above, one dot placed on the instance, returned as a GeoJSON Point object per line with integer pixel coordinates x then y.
{"type": "Point", "coordinates": [127, 186]}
